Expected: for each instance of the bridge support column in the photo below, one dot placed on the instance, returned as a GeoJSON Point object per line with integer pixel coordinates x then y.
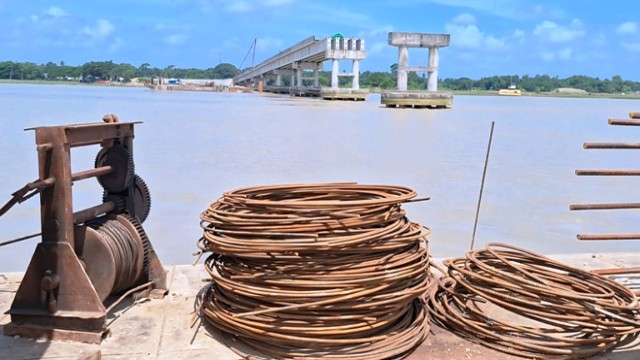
{"type": "Point", "coordinates": [299, 73]}
{"type": "Point", "coordinates": [278, 80]}
{"type": "Point", "coordinates": [417, 99]}
{"type": "Point", "coordinates": [432, 76]}
{"type": "Point", "coordinates": [292, 80]}
{"type": "Point", "coordinates": [403, 63]}
{"type": "Point", "coordinates": [316, 78]}
{"type": "Point", "coordinates": [334, 73]}
{"type": "Point", "coordinates": [356, 74]}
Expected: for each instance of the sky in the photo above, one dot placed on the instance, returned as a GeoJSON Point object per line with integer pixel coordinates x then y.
{"type": "Point", "coordinates": [488, 37]}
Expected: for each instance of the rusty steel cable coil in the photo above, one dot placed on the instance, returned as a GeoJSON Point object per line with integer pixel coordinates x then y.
{"type": "Point", "coordinates": [333, 271]}
{"type": "Point", "coordinates": [528, 305]}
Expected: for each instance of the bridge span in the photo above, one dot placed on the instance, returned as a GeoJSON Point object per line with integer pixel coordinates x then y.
{"type": "Point", "coordinates": [302, 61]}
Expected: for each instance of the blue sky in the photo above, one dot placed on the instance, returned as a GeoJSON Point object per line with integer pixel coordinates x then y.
{"type": "Point", "coordinates": [488, 37]}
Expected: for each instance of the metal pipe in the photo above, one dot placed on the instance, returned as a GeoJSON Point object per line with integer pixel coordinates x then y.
{"type": "Point", "coordinates": [611, 146]}
{"type": "Point", "coordinates": [617, 206]}
{"type": "Point", "coordinates": [608, 172]}
{"type": "Point", "coordinates": [624, 122]}
{"type": "Point", "coordinates": [634, 115]}
{"type": "Point", "coordinates": [484, 174]}
{"type": "Point", "coordinates": [617, 271]}
{"type": "Point", "coordinates": [103, 170]}
{"type": "Point", "coordinates": [93, 212]}
{"type": "Point", "coordinates": [20, 239]}
{"type": "Point", "coordinates": [590, 237]}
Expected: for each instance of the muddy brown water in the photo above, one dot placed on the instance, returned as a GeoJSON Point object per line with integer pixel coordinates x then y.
{"type": "Point", "coordinates": [193, 146]}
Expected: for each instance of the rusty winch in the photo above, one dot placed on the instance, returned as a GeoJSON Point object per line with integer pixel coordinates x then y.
{"type": "Point", "coordinates": [85, 257]}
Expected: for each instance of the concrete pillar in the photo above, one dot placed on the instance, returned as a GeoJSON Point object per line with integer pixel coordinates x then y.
{"type": "Point", "coordinates": [299, 72]}
{"type": "Point", "coordinates": [260, 84]}
{"type": "Point", "coordinates": [316, 78]}
{"type": "Point", "coordinates": [292, 81]}
{"type": "Point", "coordinates": [432, 76]}
{"type": "Point", "coordinates": [356, 74]}
{"type": "Point", "coordinates": [278, 80]}
{"type": "Point", "coordinates": [334, 74]}
{"type": "Point", "coordinates": [403, 62]}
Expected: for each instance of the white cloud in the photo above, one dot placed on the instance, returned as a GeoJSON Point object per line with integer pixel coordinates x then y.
{"type": "Point", "coordinates": [599, 40]}
{"type": "Point", "coordinates": [338, 16]}
{"type": "Point", "coordinates": [464, 19]}
{"type": "Point", "coordinates": [383, 30]}
{"type": "Point", "coordinates": [241, 6]}
{"type": "Point", "coordinates": [377, 48]}
{"type": "Point", "coordinates": [510, 9]}
{"type": "Point", "coordinates": [272, 3]}
{"type": "Point", "coordinates": [635, 47]}
{"type": "Point", "coordinates": [470, 37]}
{"type": "Point", "coordinates": [628, 27]}
{"type": "Point", "coordinates": [116, 45]}
{"type": "Point", "coordinates": [563, 54]}
{"type": "Point", "coordinates": [518, 35]}
{"type": "Point", "coordinates": [552, 32]}
{"type": "Point", "coordinates": [56, 12]}
{"type": "Point", "coordinates": [171, 27]}
{"type": "Point", "coordinates": [49, 15]}
{"type": "Point", "coordinates": [101, 30]}
{"type": "Point", "coordinates": [238, 6]}
{"type": "Point", "coordinates": [269, 45]}
{"type": "Point", "coordinates": [547, 55]}
{"type": "Point", "coordinates": [175, 39]}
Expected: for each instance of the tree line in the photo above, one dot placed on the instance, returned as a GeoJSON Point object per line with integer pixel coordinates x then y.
{"type": "Point", "coordinates": [107, 71]}
{"type": "Point", "coordinates": [110, 71]}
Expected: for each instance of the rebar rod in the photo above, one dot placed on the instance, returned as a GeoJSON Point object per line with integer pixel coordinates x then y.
{"type": "Point", "coordinates": [611, 145]}
{"type": "Point", "coordinates": [615, 206]}
{"type": "Point", "coordinates": [332, 271]}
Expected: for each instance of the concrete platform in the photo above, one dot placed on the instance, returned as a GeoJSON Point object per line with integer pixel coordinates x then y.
{"type": "Point", "coordinates": [161, 329]}
{"type": "Point", "coordinates": [304, 91]}
{"type": "Point", "coordinates": [277, 89]}
{"type": "Point", "coordinates": [344, 94]}
{"type": "Point", "coordinates": [417, 99]}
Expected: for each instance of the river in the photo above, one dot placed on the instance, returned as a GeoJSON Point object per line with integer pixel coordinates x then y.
{"type": "Point", "coordinates": [193, 146]}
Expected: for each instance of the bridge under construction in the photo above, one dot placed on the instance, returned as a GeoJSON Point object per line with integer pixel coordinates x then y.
{"type": "Point", "coordinates": [302, 62]}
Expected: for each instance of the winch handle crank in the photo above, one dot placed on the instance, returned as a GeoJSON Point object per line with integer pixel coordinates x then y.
{"type": "Point", "coordinates": [24, 194]}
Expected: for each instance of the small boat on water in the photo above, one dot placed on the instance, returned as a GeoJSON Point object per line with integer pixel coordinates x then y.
{"type": "Point", "coordinates": [510, 91]}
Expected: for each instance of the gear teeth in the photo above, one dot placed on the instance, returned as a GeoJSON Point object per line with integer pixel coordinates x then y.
{"type": "Point", "coordinates": [145, 198]}
{"type": "Point", "coordinates": [101, 157]}
{"type": "Point", "coordinates": [118, 199]}
{"type": "Point", "coordinates": [146, 243]}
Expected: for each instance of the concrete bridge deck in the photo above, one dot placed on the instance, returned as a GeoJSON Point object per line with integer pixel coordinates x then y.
{"type": "Point", "coordinates": [161, 329]}
{"type": "Point", "coordinates": [309, 54]}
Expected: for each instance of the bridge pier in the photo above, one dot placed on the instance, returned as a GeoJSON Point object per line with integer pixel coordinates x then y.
{"type": "Point", "coordinates": [431, 98]}
{"type": "Point", "coordinates": [341, 48]}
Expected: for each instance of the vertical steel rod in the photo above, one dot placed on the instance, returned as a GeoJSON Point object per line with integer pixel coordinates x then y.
{"type": "Point", "coordinates": [484, 175]}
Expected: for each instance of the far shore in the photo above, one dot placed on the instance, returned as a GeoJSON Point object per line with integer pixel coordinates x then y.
{"type": "Point", "coordinates": [373, 90]}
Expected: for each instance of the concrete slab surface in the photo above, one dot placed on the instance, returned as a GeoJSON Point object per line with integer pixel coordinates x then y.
{"type": "Point", "coordinates": [162, 329]}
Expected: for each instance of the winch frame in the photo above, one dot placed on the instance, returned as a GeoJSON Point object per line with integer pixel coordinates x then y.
{"type": "Point", "coordinates": [56, 299]}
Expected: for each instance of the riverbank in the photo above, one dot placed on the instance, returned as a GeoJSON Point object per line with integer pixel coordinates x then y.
{"type": "Point", "coordinates": [552, 94]}
{"type": "Point", "coordinates": [69, 83]}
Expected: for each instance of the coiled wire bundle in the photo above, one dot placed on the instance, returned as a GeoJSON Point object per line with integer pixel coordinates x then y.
{"type": "Point", "coordinates": [332, 271]}
{"type": "Point", "coordinates": [525, 304]}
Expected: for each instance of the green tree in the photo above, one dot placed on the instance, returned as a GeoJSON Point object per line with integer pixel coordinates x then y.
{"type": "Point", "coordinates": [225, 71]}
